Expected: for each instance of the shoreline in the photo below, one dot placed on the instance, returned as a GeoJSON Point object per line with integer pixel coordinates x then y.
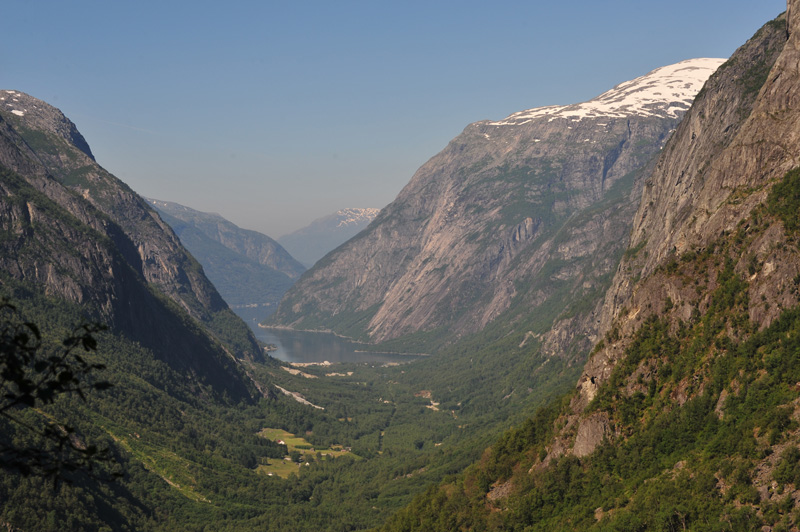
{"type": "Point", "coordinates": [322, 331]}
{"type": "Point", "coordinates": [342, 337]}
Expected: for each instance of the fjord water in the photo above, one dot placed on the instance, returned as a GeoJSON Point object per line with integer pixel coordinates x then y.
{"type": "Point", "coordinates": [307, 347]}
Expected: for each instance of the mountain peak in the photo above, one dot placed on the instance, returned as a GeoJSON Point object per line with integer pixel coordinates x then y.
{"type": "Point", "coordinates": [355, 216]}
{"type": "Point", "coordinates": [312, 242]}
{"type": "Point", "coordinates": [499, 209]}
{"type": "Point", "coordinates": [664, 92]}
{"type": "Point", "coordinates": [174, 209]}
{"type": "Point", "coordinates": [42, 116]}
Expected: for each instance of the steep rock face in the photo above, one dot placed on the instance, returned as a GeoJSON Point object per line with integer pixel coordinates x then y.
{"type": "Point", "coordinates": [248, 268]}
{"type": "Point", "coordinates": [46, 247]}
{"type": "Point", "coordinates": [325, 234]}
{"type": "Point", "coordinates": [41, 144]}
{"type": "Point", "coordinates": [56, 241]}
{"type": "Point", "coordinates": [684, 201]}
{"type": "Point", "coordinates": [686, 413]}
{"type": "Point", "coordinates": [706, 191]}
{"type": "Point", "coordinates": [510, 219]}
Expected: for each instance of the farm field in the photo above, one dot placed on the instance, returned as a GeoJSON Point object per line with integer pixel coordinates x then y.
{"type": "Point", "coordinates": [304, 453]}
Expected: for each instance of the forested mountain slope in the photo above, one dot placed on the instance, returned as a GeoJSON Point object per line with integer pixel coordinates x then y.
{"type": "Point", "coordinates": [73, 231]}
{"type": "Point", "coordinates": [184, 419]}
{"type": "Point", "coordinates": [182, 412]}
{"type": "Point", "coordinates": [513, 219]}
{"type": "Point", "coordinates": [686, 416]}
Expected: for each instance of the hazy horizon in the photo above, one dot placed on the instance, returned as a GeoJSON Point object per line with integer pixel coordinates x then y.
{"type": "Point", "coordinates": [274, 115]}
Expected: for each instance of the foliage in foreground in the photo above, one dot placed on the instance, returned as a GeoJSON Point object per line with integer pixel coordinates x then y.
{"type": "Point", "coordinates": [32, 376]}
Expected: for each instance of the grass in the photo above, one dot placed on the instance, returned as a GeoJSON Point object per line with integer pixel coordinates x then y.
{"type": "Point", "coordinates": [172, 468]}
{"type": "Point", "coordinates": [279, 468]}
{"type": "Point", "coordinates": [283, 468]}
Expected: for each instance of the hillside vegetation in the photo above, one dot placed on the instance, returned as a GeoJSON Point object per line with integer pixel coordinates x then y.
{"type": "Point", "coordinates": [686, 415]}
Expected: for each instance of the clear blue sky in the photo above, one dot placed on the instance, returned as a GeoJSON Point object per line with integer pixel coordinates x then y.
{"type": "Point", "coordinates": [275, 113]}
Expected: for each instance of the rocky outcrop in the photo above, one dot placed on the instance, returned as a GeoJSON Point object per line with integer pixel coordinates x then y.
{"type": "Point", "coordinates": [508, 223]}
{"type": "Point", "coordinates": [739, 138]}
{"type": "Point", "coordinates": [591, 432]}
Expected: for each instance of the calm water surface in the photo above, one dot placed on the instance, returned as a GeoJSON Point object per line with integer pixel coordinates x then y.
{"type": "Point", "coordinates": [300, 346]}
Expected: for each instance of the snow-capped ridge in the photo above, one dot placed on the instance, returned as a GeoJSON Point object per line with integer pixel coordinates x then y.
{"type": "Point", "coordinates": [666, 92]}
{"type": "Point", "coordinates": [351, 216]}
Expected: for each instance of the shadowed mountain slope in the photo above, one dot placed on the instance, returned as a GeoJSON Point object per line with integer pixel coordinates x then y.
{"type": "Point", "coordinates": [73, 231]}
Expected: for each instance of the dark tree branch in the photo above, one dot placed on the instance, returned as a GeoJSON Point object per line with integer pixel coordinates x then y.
{"type": "Point", "coordinates": [31, 378]}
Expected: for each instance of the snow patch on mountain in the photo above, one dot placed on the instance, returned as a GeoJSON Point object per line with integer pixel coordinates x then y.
{"type": "Point", "coordinates": [665, 92]}
{"type": "Point", "coordinates": [323, 235]}
{"type": "Point", "coordinates": [13, 108]}
{"type": "Point", "coordinates": [354, 216]}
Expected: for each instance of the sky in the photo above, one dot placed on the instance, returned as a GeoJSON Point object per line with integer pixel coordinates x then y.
{"type": "Point", "coordinates": [273, 114]}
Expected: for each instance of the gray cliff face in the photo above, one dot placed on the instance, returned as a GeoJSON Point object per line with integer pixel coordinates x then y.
{"type": "Point", "coordinates": [741, 136]}
{"type": "Point", "coordinates": [684, 202]}
{"type": "Point", "coordinates": [105, 245]}
{"type": "Point", "coordinates": [43, 131]}
{"type": "Point", "coordinates": [511, 219]}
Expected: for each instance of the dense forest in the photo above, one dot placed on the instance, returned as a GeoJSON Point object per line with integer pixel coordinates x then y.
{"type": "Point", "coordinates": [187, 459]}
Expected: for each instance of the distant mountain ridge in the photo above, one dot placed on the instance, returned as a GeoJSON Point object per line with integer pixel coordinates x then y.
{"type": "Point", "coordinates": [251, 244]}
{"type": "Point", "coordinates": [325, 234]}
{"type": "Point", "coordinates": [250, 269]}
{"type": "Point", "coordinates": [511, 221]}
